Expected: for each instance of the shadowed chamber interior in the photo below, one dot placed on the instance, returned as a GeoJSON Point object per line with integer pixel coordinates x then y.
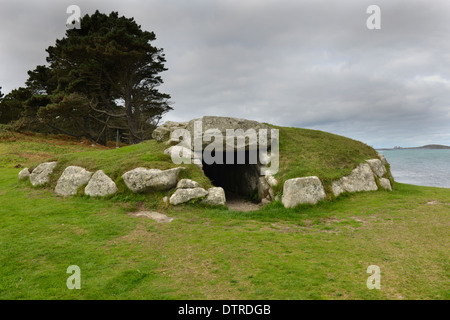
{"type": "Point", "coordinates": [238, 180]}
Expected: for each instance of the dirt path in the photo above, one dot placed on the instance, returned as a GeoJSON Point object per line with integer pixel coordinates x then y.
{"type": "Point", "coordinates": [239, 204]}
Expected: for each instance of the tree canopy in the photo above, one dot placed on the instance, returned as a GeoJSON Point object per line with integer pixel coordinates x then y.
{"type": "Point", "coordinates": [100, 80]}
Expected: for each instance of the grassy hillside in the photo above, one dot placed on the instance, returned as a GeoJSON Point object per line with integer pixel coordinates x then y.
{"type": "Point", "coordinates": [310, 252]}
{"type": "Point", "coordinates": [303, 152]}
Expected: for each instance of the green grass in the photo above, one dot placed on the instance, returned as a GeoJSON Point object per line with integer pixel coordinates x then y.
{"type": "Point", "coordinates": [305, 152]}
{"type": "Point", "coordinates": [310, 252]}
{"type": "Point", "coordinates": [319, 252]}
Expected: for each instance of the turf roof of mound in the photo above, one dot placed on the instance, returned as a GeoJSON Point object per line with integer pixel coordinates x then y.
{"type": "Point", "coordinates": [303, 152]}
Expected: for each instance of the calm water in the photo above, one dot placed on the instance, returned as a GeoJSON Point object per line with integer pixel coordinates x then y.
{"type": "Point", "coordinates": [420, 167]}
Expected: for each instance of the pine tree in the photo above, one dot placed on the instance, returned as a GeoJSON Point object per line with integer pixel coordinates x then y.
{"type": "Point", "coordinates": [102, 78]}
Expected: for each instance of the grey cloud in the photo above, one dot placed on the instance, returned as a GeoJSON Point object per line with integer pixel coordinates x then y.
{"type": "Point", "coordinates": [298, 63]}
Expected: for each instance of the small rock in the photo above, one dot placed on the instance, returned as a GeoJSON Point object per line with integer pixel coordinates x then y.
{"type": "Point", "coordinates": [385, 183]}
{"type": "Point", "coordinates": [187, 183]}
{"type": "Point", "coordinates": [24, 174]}
{"type": "Point", "coordinates": [382, 158]}
{"type": "Point", "coordinates": [271, 180]}
{"type": "Point", "coordinates": [263, 188]}
{"type": "Point", "coordinates": [185, 195]}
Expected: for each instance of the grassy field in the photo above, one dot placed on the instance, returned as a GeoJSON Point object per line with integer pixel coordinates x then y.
{"type": "Point", "coordinates": [310, 252]}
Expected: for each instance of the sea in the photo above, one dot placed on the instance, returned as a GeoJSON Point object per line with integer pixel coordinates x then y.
{"type": "Point", "coordinates": [422, 167]}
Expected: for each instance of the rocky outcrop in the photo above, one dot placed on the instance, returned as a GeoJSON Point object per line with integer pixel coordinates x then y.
{"type": "Point", "coordinates": [385, 184]}
{"type": "Point", "coordinates": [41, 174]}
{"type": "Point", "coordinates": [185, 195]}
{"type": "Point", "coordinates": [360, 179]}
{"type": "Point", "coordinates": [72, 178]}
{"type": "Point", "coordinates": [100, 185]}
{"type": "Point", "coordinates": [187, 183]}
{"type": "Point", "coordinates": [143, 180]}
{"type": "Point", "coordinates": [377, 167]}
{"type": "Point", "coordinates": [306, 190]}
{"type": "Point", "coordinates": [215, 197]}
{"type": "Point", "coordinates": [24, 174]}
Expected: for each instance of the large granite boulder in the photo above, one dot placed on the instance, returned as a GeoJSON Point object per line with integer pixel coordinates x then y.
{"type": "Point", "coordinates": [163, 132]}
{"type": "Point", "coordinates": [215, 197]}
{"type": "Point", "coordinates": [360, 179]}
{"type": "Point", "coordinates": [222, 124]}
{"type": "Point", "coordinates": [185, 195]}
{"type": "Point", "coordinates": [306, 190]}
{"type": "Point", "coordinates": [24, 174]}
{"type": "Point", "coordinates": [377, 167]}
{"type": "Point", "coordinates": [143, 180]}
{"type": "Point", "coordinates": [100, 185]}
{"type": "Point", "coordinates": [72, 178]}
{"type": "Point", "coordinates": [41, 174]}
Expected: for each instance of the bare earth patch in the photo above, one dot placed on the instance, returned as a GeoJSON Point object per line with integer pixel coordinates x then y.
{"type": "Point", "coordinates": [242, 205]}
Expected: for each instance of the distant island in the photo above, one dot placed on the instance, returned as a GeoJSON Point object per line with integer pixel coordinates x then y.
{"type": "Point", "coordinates": [428, 146]}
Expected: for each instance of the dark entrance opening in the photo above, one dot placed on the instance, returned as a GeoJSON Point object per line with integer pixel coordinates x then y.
{"type": "Point", "coordinates": [238, 180]}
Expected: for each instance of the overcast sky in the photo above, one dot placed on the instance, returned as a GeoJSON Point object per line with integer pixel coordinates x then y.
{"type": "Point", "coordinates": [311, 64]}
